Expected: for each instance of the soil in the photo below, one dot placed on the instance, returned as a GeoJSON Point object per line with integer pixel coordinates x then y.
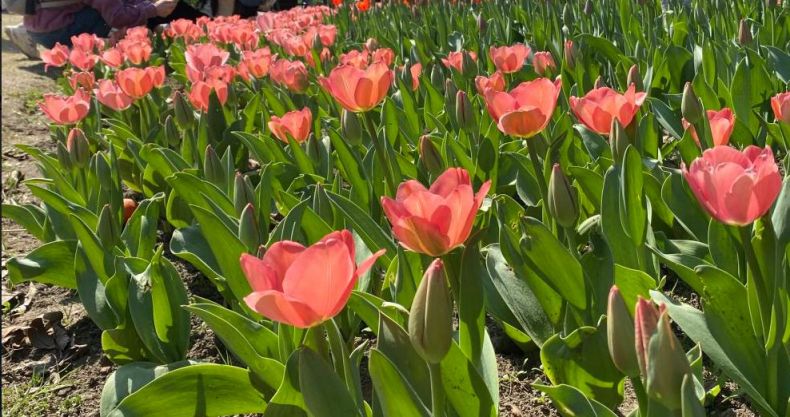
{"type": "Point", "coordinates": [64, 378]}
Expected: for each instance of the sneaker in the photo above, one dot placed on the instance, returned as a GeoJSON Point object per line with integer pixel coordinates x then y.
{"type": "Point", "coordinates": [22, 40]}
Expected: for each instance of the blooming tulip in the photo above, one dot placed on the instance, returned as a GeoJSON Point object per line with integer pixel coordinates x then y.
{"type": "Point", "coordinates": [55, 57]}
{"type": "Point", "coordinates": [110, 95]}
{"type": "Point", "coordinates": [135, 52]}
{"type": "Point", "coordinates": [526, 110]}
{"type": "Point", "coordinates": [84, 80]}
{"type": "Point", "coordinates": [358, 90]}
{"type": "Point", "coordinates": [112, 57]}
{"type": "Point", "coordinates": [721, 124]}
{"type": "Point", "coordinates": [87, 42]}
{"type": "Point", "coordinates": [292, 74]}
{"type": "Point", "coordinates": [543, 63]}
{"type": "Point", "coordinates": [200, 93]}
{"type": "Point", "coordinates": [304, 286]}
{"type": "Point", "coordinates": [599, 106]}
{"type": "Point", "coordinates": [509, 59]}
{"type": "Point", "coordinates": [735, 187]}
{"type": "Point", "coordinates": [135, 82]}
{"type": "Point", "coordinates": [84, 61]}
{"type": "Point", "coordinates": [327, 34]}
{"type": "Point", "coordinates": [384, 55]}
{"type": "Point", "coordinates": [257, 62]}
{"type": "Point", "coordinates": [780, 103]}
{"type": "Point", "coordinates": [495, 82]}
{"type": "Point", "coordinates": [434, 221]}
{"type": "Point", "coordinates": [355, 58]}
{"type": "Point", "coordinates": [294, 123]}
{"type": "Point", "coordinates": [199, 57]}
{"type": "Point", "coordinates": [456, 60]}
{"type": "Point", "coordinates": [66, 110]}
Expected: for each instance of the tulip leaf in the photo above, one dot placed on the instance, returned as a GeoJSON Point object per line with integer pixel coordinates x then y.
{"type": "Point", "coordinates": [394, 343]}
{"type": "Point", "coordinates": [325, 394]}
{"type": "Point", "coordinates": [683, 265]}
{"type": "Point", "coordinates": [781, 215]}
{"type": "Point", "coordinates": [199, 192]}
{"type": "Point", "coordinates": [92, 292]}
{"type": "Point", "coordinates": [682, 202]}
{"type": "Point", "coordinates": [466, 389]}
{"type": "Point", "coordinates": [370, 232]}
{"type": "Point", "coordinates": [288, 400]}
{"type": "Point", "coordinates": [666, 118]}
{"type": "Point", "coordinates": [351, 167]}
{"type": "Point", "coordinates": [51, 263]}
{"type": "Point", "coordinates": [195, 390]}
{"type": "Point", "coordinates": [31, 217]}
{"type": "Point", "coordinates": [139, 233]}
{"type": "Point", "coordinates": [129, 378]}
{"type": "Point", "coordinates": [570, 401]}
{"type": "Point", "coordinates": [622, 247]}
{"type": "Point", "coordinates": [396, 397]}
{"type": "Point", "coordinates": [723, 247]}
{"type": "Point", "coordinates": [632, 203]}
{"type": "Point", "coordinates": [632, 283]}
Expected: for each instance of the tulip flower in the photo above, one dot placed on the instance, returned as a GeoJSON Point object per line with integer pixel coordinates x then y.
{"type": "Point", "coordinates": [509, 59]}
{"type": "Point", "coordinates": [620, 334]}
{"type": "Point", "coordinates": [384, 55]}
{"type": "Point", "coordinates": [129, 206]}
{"type": "Point", "coordinates": [109, 94]}
{"type": "Point", "coordinates": [645, 324]}
{"type": "Point", "coordinates": [85, 80]}
{"type": "Point", "coordinates": [327, 34]}
{"type": "Point", "coordinates": [55, 57]}
{"type": "Point", "coordinates": [780, 104]}
{"type": "Point", "coordinates": [435, 221]}
{"type": "Point", "coordinates": [456, 60]}
{"type": "Point", "coordinates": [295, 123]}
{"type": "Point", "coordinates": [415, 71]}
{"type": "Point", "coordinates": [304, 286]}
{"type": "Point", "coordinates": [157, 75]}
{"type": "Point", "coordinates": [735, 187]}
{"type": "Point", "coordinates": [526, 110]}
{"type": "Point", "coordinates": [66, 110]}
{"type": "Point", "coordinates": [199, 57]}
{"type": "Point", "coordinates": [355, 58]}
{"type": "Point", "coordinates": [358, 90]}
{"type": "Point", "coordinates": [599, 106]}
{"type": "Point", "coordinates": [112, 57]}
{"type": "Point", "coordinates": [543, 63]}
{"type": "Point", "coordinates": [84, 61]}
{"type": "Point", "coordinates": [495, 82]}
{"type": "Point", "coordinates": [291, 74]}
{"type": "Point", "coordinates": [200, 93]}
{"type": "Point", "coordinates": [570, 52]}
{"type": "Point", "coordinates": [257, 62]}
{"type": "Point", "coordinates": [135, 82]}
{"type": "Point", "coordinates": [563, 201]}
{"type": "Point", "coordinates": [87, 42]}
{"type": "Point", "coordinates": [363, 5]}
{"type": "Point", "coordinates": [721, 124]}
{"type": "Point", "coordinates": [136, 52]}
{"type": "Point", "coordinates": [78, 147]}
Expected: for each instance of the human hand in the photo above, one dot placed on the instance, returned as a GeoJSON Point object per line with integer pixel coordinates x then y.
{"type": "Point", "coordinates": [165, 7]}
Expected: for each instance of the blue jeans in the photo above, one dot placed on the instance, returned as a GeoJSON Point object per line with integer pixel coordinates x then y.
{"type": "Point", "coordinates": [87, 20]}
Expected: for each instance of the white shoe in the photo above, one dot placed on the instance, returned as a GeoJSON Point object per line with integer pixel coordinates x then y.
{"type": "Point", "coordinates": [21, 39]}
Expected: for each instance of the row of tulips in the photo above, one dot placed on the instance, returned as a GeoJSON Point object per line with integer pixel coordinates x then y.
{"type": "Point", "coordinates": [332, 170]}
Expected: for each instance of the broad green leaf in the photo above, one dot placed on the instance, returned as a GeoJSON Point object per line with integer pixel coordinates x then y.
{"type": "Point", "coordinates": [51, 263]}
{"type": "Point", "coordinates": [130, 378]}
{"type": "Point", "coordinates": [325, 394]}
{"type": "Point", "coordinates": [571, 402]}
{"type": "Point", "coordinates": [396, 396]}
{"type": "Point", "coordinates": [370, 232]}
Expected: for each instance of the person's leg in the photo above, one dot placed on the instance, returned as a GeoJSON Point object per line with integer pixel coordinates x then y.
{"type": "Point", "coordinates": [20, 37]}
{"type": "Point", "coordinates": [182, 11]}
{"type": "Point", "coordinates": [87, 20]}
{"type": "Point", "coordinates": [49, 39]}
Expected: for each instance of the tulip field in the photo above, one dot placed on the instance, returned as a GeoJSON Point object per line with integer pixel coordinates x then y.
{"type": "Point", "coordinates": [383, 197]}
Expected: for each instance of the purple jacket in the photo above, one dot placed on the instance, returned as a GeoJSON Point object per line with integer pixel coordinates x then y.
{"type": "Point", "coordinates": [117, 14]}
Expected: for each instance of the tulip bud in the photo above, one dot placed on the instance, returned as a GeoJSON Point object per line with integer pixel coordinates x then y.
{"type": "Point", "coordinates": [78, 147]}
{"type": "Point", "coordinates": [588, 7]}
{"type": "Point", "coordinates": [620, 334]}
{"type": "Point", "coordinates": [430, 157]}
{"type": "Point", "coordinates": [468, 65]}
{"type": "Point", "coordinates": [744, 33]}
{"type": "Point", "coordinates": [463, 111]}
{"type": "Point", "coordinates": [107, 228]}
{"type": "Point", "coordinates": [618, 140]}
{"type": "Point", "coordinates": [242, 192]}
{"type": "Point", "coordinates": [185, 116]}
{"type": "Point", "coordinates": [349, 124]}
{"type": "Point", "coordinates": [172, 135]}
{"type": "Point", "coordinates": [482, 24]}
{"type": "Point", "coordinates": [570, 54]}
{"type": "Point", "coordinates": [635, 78]}
{"type": "Point", "coordinates": [645, 322]}
{"type": "Point", "coordinates": [249, 231]}
{"type": "Point", "coordinates": [431, 316]}
{"type": "Point", "coordinates": [437, 77]}
{"type": "Point", "coordinates": [691, 406]}
{"type": "Point", "coordinates": [129, 206]}
{"type": "Point", "coordinates": [371, 44]}
{"type": "Point", "coordinates": [690, 105]}
{"type": "Point", "coordinates": [666, 365]}
{"type": "Point", "coordinates": [212, 168]}
{"type": "Point", "coordinates": [63, 157]}
{"type": "Point", "coordinates": [563, 202]}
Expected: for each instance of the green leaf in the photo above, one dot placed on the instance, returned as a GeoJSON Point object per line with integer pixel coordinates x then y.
{"type": "Point", "coordinates": [288, 400]}
{"type": "Point", "coordinates": [632, 202]}
{"type": "Point", "coordinates": [325, 394]}
{"type": "Point", "coordinates": [571, 402]}
{"type": "Point", "coordinates": [466, 389]}
{"type": "Point", "coordinates": [196, 390]}
{"type": "Point", "coordinates": [51, 263]}
{"type": "Point", "coordinates": [781, 215]}
{"type": "Point", "coordinates": [667, 118]}
{"type": "Point", "coordinates": [632, 283]}
{"type": "Point", "coordinates": [394, 343]}
{"type": "Point", "coordinates": [688, 213]}
{"type": "Point", "coordinates": [370, 232]}
{"type": "Point", "coordinates": [396, 397]}
{"type": "Point", "coordinates": [30, 217]}
{"type": "Point", "coordinates": [92, 292]}
{"type": "Point", "coordinates": [130, 378]}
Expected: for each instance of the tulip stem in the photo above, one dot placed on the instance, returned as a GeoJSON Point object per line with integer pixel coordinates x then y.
{"type": "Point", "coordinates": [533, 155]}
{"type": "Point", "coordinates": [760, 284]}
{"type": "Point", "coordinates": [437, 390]}
{"type": "Point", "coordinates": [381, 153]}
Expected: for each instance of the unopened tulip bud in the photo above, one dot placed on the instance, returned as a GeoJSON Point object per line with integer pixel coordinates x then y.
{"type": "Point", "coordinates": [212, 168]}
{"type": "Point", "coordinates": [620, 334]}
{"type": "Point", "coordinates": [107, 228]}
{"type": "Point", "coordinates": [78, 147]}
{"type": "Point", "coordinates": [63, 157]}
{"type": "Point", "coordinates": [569, 52]}
{"type": "Point", "coordinates": [371, 44]}
{"type": "Point", "coordinates": [691, 406]}
{"type": "Point", "coordinates": [463, 111]}
{"type": "Point", "coordinates": [129, 206]}
{"type": "Point", "coordinates": [635, 78]}
{"type": "Point", "coordinates": [243, 193]}
{"type": "Point", "coordinates": [666, 365]}
{"type": "Point", "coordinates": [618, 140]}
{"type": "Point", "coordinates": [249, 231]}
{"type": "Point", "coordinates": [172, 135]}
{"type": "Point", "coordinates": [645, 324]}
{"type": "Point", "coordinates": [349, 124]}
{"type": "Point", "coordinates": [430, 157]}
{"type": "Point", "coordinates": [563, 201]}
{"type": "Point", "coordinates": [185, 116]}
{"type": "Point", "coordinates": [744, 33]}
{"type": "Point", "coordinates": [690, 105]}
{"type": "Point", "coordinates": [431, 316]}
{"type": "Point", "coordinates": [437, 78]}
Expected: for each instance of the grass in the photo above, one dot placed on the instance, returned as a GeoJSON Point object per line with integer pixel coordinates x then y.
{"type": "Point", "coordinates": [38, 397]}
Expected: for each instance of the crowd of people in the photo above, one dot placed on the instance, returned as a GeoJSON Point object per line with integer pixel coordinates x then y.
{"type": "Point", "coordinates": [47, 22]}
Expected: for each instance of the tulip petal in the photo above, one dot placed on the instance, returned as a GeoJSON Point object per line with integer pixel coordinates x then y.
{"type": "Point", "coordinates": [449, 181]}
{"type": "Point", "coordinates": [361, 269]}
{"type": "Point", "coordinates": [282, 308]}
{"type": "Point", "coordinates": [421, 235]}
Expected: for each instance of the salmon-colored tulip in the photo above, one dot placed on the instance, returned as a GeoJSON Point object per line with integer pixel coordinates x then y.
{"type": "Point", "coordinates": [157, 75]}
{"type": "Point", "coordinates": [526, 110]}
{"type": "Point", "coordinates": [55, 57]}
{"type": "Point", "coordinates": [780, 103]}
{"type": "Point", "coordinates": [66, 110]}
{"type": "Point", "coordinates": [257, 62]}
{"type": "Point", "coordinates": [721, 124]}
{"type": "Point", "coordinates": [509, 59]}
{"type": "Point", "coordinates": [415, 71]}
{"type": "Point", "coordinates": [129, 206]}
{"type": "Point", "coordinates": [291, 74]}
{"type": "Point", "coordinates": [295, 123]}
{"type": "Point", "coordinates": [200, 93]}
{"type": "Point", "coordinates": [327, 34]}
{"type": "Point", "coordinates": [200, 57]}
{"type": "Point", "coordinates": [84, 80]}
{"type": "Point", "coordinates": [355, 58]}
{"type": "Point", "coordinates": [109, 94]}
{"type": "Point", "coordinates": [304, 286]}
{"type": "Point", "coordinates": [735, 187]}
{"type": "Point", "coordinates": [112, 57]}
{"type": "Point", "coordinates": [435, 221]}
{"type": "Point", "coordinates": [84, 61]}
{"type": "Point", "coordinates": [363, 5]}
{"type": "Point", "coordinates": [456, 60]}
{"type": "Point", "coordinates": [358, 90]}
{"type": "Point", "coordinates": [136, 52]}
{"type": "Point", "coordinates": [495, 82]}
{"type": "Point", "coordinates": [87, 42]}
{"type": "Point", "coordinates": [543, 63]}
{"type": "Point", "coordinates": [135, 82]}
{"type": "Point", "coordinates": [384, 55]}
{"type": "Point", "coordinates": [599, 106]}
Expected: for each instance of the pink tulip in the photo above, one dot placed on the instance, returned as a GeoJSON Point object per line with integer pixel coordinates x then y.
{"type": "Point", "coordinates": [304, 286]}
{"type": "Point", "coordinates": [456, 60]}
{"type": "Point", "coordinates": [135, 82]}
{"type": "Point", "coordinates": [355, 58]}
{"type": "Point", "coordinates": [384, 55]}
{"type": "Point", "coordinates": [55, 57]}
{"type": "Point", "coordinates": [735, 187]}
{"type": "Point", "coordinates": [543, 62]}
{"type": "Point", "coordinates": [721, 124]}
{"type": "Point", "coordinates": [599, 106]}
{"type": "Point", "coordinates": [200, 93]}
{"type": "Point", "coordinates": [112, 57]}
{"type": "Point", "coordinates": [136, 52]}
{"type": "Point", "coordinates": [526, 110]}
{"type": "Point", "coordinates": [84, 80]}
{"type": "Point", "coordinates": [84, 61]}
{"type": "Point", "coordinates": [436, 220]}
{"type": "Point", "coordinates": [291, 74]}
{"type": "Point", "coordinates": [257, 62]}
{"type": "Point", "coordinates": [646, 318]}
{"type": "Point", "coordinates": [295, 123]}
{"type": "Point", "coordinates": [66, 110]}
{"type": "Point", "coordinates": [327, 34]}
{"type": "Point", "coordinates": [200, 57]}
{"type": "Point", "coordinates": [110, 95]}
{"type": "Point", "coordinates": [780, 104]}
{"type": "Point", "coordinates": [87, 42]}
{"type": "Point", "coordinates": [415, 71]}
{"type": "Point", "coordinates": [509, 59]}
{"type": "Point", "coordinates": [495, 82]}
{"type": "Point", "coordinates": [358, 90]}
